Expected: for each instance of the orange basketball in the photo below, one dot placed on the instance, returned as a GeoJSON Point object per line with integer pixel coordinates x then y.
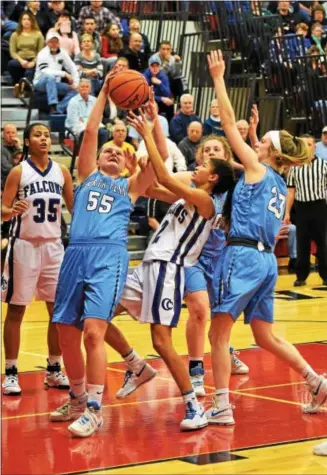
{"type": "Point", "coordinates": [129, 89]}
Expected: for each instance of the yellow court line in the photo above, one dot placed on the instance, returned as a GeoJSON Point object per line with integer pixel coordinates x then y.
{"type": "Point", "coordinates": [272, 386]}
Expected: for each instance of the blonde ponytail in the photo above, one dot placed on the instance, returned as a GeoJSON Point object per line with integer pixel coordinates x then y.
{"type": "Point", "coordinates": [293, 149]}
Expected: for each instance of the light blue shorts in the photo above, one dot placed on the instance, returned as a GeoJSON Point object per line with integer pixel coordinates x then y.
{"type": "Point", "coordinates": [244, 281]}
{"type": "Point", "coordinates": [199, 277]}
{"type": "Point", "coordinates": [91, 281]}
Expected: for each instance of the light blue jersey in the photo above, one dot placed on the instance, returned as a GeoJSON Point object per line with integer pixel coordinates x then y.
{"type": "Point", "coordinates": [101, 210]}
{"type": "Point", "coordinates": [216, 240]}
{"type": "Point", "coordinates": [258, 208]}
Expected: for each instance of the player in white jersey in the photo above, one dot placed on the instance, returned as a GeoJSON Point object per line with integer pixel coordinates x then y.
{"type": "Point", "coordinates": [32, 200]}
{"type": "Point", "coordinates": [154, 292]}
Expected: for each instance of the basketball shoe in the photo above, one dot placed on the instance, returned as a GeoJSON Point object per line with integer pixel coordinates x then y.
{"type": "Point", "coordinates": [55, 378]}
{"type": "Point", "coordinates": [71, 410]}
{"type": "Point", "coordinates": [319, 397]}
{"type": "Point", "coordinates": [133, 380]}
{"type": "Point", "coordinates": [10, 385]}
{"type": "Point", "coordinates": [238, 367]}
{"type": "Point", "coordinates": [195, 417]}
{"type": "Point", "coordinates": [89, 422]}
{"type": "Point", "coordinates": [220, 415]}
{"type": "Point", "coordinates": [197, 380]}
{"type": "Point", "coordinates": [320, 449]}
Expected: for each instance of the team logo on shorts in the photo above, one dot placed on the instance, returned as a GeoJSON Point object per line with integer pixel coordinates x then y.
{"type": "Point", "coordinates": [4, 283]}
{"type": "Point", "coordinates": [167, 304]}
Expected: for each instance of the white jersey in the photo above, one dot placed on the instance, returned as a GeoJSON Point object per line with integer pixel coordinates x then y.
{"type": "Point", "coordinates": [181, 235]}
{"type": "Point", "coordinates": [43, 191]}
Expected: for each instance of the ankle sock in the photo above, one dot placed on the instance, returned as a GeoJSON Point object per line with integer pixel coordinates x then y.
{"type": "Point", "coordinates": [222, 397]}
{"type": "Point", "coordinates": [195, 363]}
{"type": "Point", "coordinates": [11, 363]}
{"type": "Point", "coordinates": [95, 393]}
{"type": "Point", "coordinates": [134, 361]}
{"type": "Point", "coordinates": [77, 387]}
{"type": "Point", "coordinates": [311, 377]}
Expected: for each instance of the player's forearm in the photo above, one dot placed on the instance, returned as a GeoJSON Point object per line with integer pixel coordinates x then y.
{"type": "Point", "coordinates": [227, 115]}
{"type": "Point", "coordinates": [290, 199]}
{"type": "Point", "coordinates": [95, 117]}
{"type": "Point", "coordinates": [6, 213]}
{"type": "Point", "coordinates": [160, 139]}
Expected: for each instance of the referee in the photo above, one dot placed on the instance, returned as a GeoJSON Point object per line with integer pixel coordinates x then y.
{"type": "Point", "coordinates": [307, 187]}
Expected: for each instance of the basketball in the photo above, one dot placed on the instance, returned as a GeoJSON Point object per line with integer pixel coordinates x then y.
{"type": "Point", "coordinates": [128, 89]}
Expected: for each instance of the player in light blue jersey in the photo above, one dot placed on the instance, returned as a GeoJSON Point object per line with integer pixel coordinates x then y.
{"type": "Point", "coordinates": [198, 278]}
{"type": "Point", "coordinates": [94, 269]}
{"type": "Point", "coordinates": [246, 275]}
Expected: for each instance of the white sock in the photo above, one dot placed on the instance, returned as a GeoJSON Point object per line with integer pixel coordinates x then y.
{"type": "Point", "coordinates": [11, 363]}
{"type": "Point", "coordinates": [95, 393]}
{"type": "Point", "coordinates": [190, 396]}
{"type": "Point", "coordinates": [54, 359]}
{"type": "Point", "coordinates": [77, 387]}
{"type": "Point", "coordinates": [311, 377]}
{"type": "Point", "coordinates": [222, 396]}
{"type": "Point", "coordinates": [134, 361]}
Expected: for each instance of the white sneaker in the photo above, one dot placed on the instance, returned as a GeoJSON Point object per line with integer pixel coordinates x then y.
{"type": "Point", "coordinates": [10, 385]}
{"type": "Point", "coordinates": [238, 367]}
{"type": "Point", "coordinates": [89, 422]}
{"type": "Point", "coordinates": [195, 417]}
{"type": "Point", "coordinates": [133, 380]}
{"type": "Point", "coordinates": [320, 449]}
{"type": "Point", "coordinates": [70, 411]}
{"type": "Point", "coordinates": [55, 378]}
{"type": "Point", "coordinates": [319, 397]}
{"type": "Point", "coordinates": [222, 416]}
{"type": "Point", "coordinates": [197, 380]}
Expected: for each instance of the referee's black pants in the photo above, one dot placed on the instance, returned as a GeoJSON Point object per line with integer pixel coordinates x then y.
{"type": "Point", "coordinates": [311, 225]}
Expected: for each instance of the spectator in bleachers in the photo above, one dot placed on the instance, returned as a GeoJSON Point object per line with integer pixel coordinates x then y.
{"type": "Point", "coordinates": [10, 145]}
{"type": "Point", "coordinates": [25, 44]}
{"type": "Point", "coordinates": [7, 26]}
{"type": "Point", "coordinates": [321, 147]}
{"type": "Point", "coordinates": [317, 37]}
{"type": "Point", "coordinates": [172, 66]}
{"type": "Point", "coordinates": [190, 143]}
{"type": "Point", "coordinates": [159, 80]}
{"type": "Point", "coordinates": [68, 38]}
{"type": "Point", "coordinates": [178, 125]}
{"type": "Point", "coordinates": [243, 128]}
{"type": "Point", "coordinates": [289, 17]}
{"type": "Point", "coordinates": [90, 27]}
{"type": "Point", "coordinates": [318, 15]}
{"type": "Point", "coordinates": [34, 9]}
{"type": "Point", "coordinates": [212, 126]}
{"type": "Point", "coordinates": [78, 111]}
{"type": "Point", "coordinates": [53, 65]}
{"type": "Point", "coordinates": [119, 134]}
{"type": "Point", "coordinates": [134, 25]}
{"type": "Point", "coordinates": [55, 10]}
{"type": "Point", "coordinates": [111, 44]}
{"type": "Point", "coordinates": [103, 16]}
{"type": "Point", "coordinates": [136, 59]}
{"type": "Point", "coordinates": [89, 64]}
{"type": "Point", "coordinates": [307, 189]}
{"type": "Point", "coordinates": [295, 44]}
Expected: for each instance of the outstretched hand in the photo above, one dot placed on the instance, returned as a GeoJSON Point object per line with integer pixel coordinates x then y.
{"type": "Point", "coordinates": [130, 162]}
{"type": "Point", "coordinates": [254, 119]}
{"type": "Point", "coordinates": [216, 64]}
{"type": "Point", "coordinates": [140, 123]}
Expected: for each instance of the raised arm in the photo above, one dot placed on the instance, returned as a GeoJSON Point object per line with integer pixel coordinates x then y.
{"type": "Point", "coordinates": [158, 134]}
{"type": "Point", "coordinates": [88, 153]}
{"type": "Point", "coordinates": [245, 153]}
{"type": "Point", "coordinates": [198, 198]}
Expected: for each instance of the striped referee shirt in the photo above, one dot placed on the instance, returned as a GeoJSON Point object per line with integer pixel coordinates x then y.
{"type": "Point", "coordinates": [309, 181]}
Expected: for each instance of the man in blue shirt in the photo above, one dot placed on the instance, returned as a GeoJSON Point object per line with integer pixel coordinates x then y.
{"type": "Point", "coordinates": [78, 111]}
{"type": "Point", "coordinates": [321, 147]}
{"type": "Point", "coordinates": [178, 125]}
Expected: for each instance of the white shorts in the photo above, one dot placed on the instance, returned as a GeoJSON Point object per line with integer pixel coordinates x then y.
{"type": "Point", "coordinates": [31, 269]}
{"type": "Point", "coordinates": [153, 293]}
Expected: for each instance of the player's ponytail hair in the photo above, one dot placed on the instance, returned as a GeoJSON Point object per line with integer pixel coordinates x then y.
{"type": "Point", "coordinates": [27, 134]}
{"type": "Point", "coordinates": [293, 150]}
{"type": "Point", "coordinates": [225, 183]}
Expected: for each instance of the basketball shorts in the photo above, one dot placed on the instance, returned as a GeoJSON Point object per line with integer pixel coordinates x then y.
{"type": "Point", "coordinates": [91, 280]}
{"type": "Point", "coordinates": [244, 281]}
{"type": "Point", "coordinates": [153, 293]}
{"type": "Point", "coordinates": [31, 269]}
{"type": "Point", "coordinates": [199, 277]}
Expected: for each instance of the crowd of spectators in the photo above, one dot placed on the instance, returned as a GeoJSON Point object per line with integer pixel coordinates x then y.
{"type": "Point", "coordinates": [66, 57]}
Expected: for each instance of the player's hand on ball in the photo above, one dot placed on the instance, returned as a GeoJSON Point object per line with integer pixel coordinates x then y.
{"type": "Point", "coordinates": [19, 207]}
{"type": "Point", "coordinates": [216, 64]}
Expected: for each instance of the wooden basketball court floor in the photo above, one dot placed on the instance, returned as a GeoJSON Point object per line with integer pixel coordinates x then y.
{"type": "Point", "coordinates": [141, 433]}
